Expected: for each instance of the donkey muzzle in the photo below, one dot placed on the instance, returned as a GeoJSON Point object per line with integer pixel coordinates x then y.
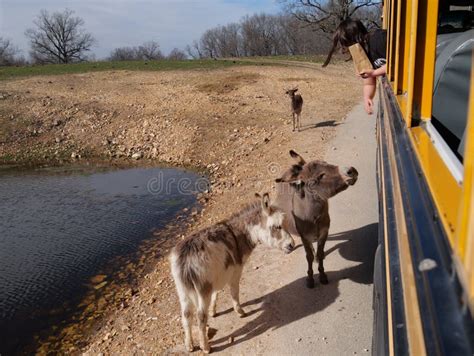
{"type": "Point", "coordinates": [350, 174]}
{"type": "Point", "coordinates": [288, 248]}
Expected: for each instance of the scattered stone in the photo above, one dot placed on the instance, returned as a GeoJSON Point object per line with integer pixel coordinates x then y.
{"type": "Point", "coordinates": [230, 340]}
{"type": "Point", "coordinates": [137, 155]}
{"type": "Point", "coordinates": [58, 139]}
{"type": "Point", "coordinates": [100, 285]}
{"type": "Point", "coordinates": [98, 278]}
{"type": "Point", "coordinates": [106, 337]}
{"type": "Point", "coordinates": [74, 155]}
{"type": "Point", "coordinates": [57, 122]}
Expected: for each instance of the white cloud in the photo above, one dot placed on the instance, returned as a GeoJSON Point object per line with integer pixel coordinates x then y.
{"type": "Point", "coordinates": [116, 23]}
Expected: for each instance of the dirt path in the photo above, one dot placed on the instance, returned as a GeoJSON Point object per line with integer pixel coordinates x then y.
{"type": "Point", "coordinates": [233, 123]}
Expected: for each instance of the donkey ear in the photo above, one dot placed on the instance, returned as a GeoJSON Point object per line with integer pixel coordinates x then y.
{"type": "Point", "coordinates": [266, 202]}
{"type": "Point", "coordinates": [319, 177]}
{"type": "Point", "coordinates": [291, 175]}
{"type": "Point", "coordinates": [298, 158]}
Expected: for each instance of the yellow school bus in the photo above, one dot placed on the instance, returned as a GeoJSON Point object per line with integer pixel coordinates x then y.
{"type": "Point", "coordinates": [424, 267]}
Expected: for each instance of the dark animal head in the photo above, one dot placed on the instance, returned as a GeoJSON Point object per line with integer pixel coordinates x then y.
{"type": "Point", "coordinates": [318, 177]}
{"type": "Point", "coordinates": [291, 92]}
{"type": "Point", "coordinates": [270, 231]}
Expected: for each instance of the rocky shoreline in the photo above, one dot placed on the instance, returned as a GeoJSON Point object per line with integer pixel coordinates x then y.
{"type": "Point", "coordinates": [234, 125]}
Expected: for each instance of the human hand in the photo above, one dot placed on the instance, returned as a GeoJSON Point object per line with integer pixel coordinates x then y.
{"type": "Point", "coordinates": [368, 105]}
{"type": "Point", "coordinates": [369, 73]}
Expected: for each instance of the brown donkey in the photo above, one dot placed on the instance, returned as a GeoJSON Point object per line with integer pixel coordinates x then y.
{"type": "Point", "coordinates": [296, 107]}
{"type": "Point", "coordinates": [303, 195]}
{"type": "Point", "coordinates": [212, 258]}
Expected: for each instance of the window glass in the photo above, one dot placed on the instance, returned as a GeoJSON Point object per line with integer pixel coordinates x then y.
{"type": "Point", "coordinates": [455, 43]}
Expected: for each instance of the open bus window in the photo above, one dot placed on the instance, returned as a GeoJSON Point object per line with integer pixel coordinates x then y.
{"type": "Point", "coordinates": [455, 43]}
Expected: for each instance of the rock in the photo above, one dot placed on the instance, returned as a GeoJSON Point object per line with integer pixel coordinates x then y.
{"type": "Point", "coordinates": [98, 278]}
{"type": "Point", "coordinates": [100, 285]}
{"type": "Point", "coordinates": [74, 155]}
{"type": "Point", "coordinates": [137, 155]}
{"type": "Point", "coordinates": [151, 300]}
{"type": "Point", "coordinates": [230, 340]}
{"type": "Point", "coordinates": [57, 122]}
{"type": "Point", "coordinates": [58, 139]}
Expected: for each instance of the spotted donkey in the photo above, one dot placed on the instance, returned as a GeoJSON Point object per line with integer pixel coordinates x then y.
{"type": "Point", "coordinates": [212, 258]}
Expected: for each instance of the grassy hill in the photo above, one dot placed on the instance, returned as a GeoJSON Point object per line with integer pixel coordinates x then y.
{"type": "Point", "coordinates": [53, 69]}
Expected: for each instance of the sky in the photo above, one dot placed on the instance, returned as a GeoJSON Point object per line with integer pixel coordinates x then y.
{"type": "Point", "coordinates": [119, 23]}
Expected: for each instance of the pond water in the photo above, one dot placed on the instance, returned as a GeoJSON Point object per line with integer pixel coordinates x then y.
{"type": "Point", "coordinates": [59, 227]}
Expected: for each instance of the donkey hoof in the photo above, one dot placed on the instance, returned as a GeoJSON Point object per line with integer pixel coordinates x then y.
{"type": "Point", "coordinates": [206, 350]}
{"type": "Point", "coordinates": [190, 348]}
{"type": "Point", "coordinates": [323, 279]}
{"type": "Point", "coordinates": [310, 283]}
{"type": "Point", "coordinates": [241, 312]}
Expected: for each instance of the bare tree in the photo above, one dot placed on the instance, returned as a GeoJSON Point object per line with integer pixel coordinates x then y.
{"type": "Point", "coordinates": [8, 53]}
{"type": "Point", "coordinates": [298, 38]}
{"type": "Point", "coordinates": [149, 51]}
{"type": "Point", "coordinates": [326, 15]}
{"type": "Point", "coordinates": [123, 54]}
{"type": "Point", "coordinates": [194, 51]}
{"type": "Point", "coordinates": [146, 52]}
{"type": "Point", "coordinates": [260, 35]}
{"type": "Point", "coordinates": [59, 38]}
{"type": "Point", "coordinates": [177, 55]}
{"type": "Point", "coordinates": [209, 43]}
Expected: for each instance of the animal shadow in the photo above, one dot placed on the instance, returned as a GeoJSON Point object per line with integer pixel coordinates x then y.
{"type": "Point", "coordinates": [294, 301]}
{"type": "Point", "coordinates": [328, 123]}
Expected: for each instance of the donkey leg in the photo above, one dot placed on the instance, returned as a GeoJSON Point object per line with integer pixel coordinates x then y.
{"type": "Point", "coordinates": [213, 303]}
{"type": "Point", "coordinates": [308, 248]}
{"type": "Point", "coordinates": [234, 292]}
{"type": "Point", "coordinates": [294, 121]}
{"type": "Point", "coordinates": [202, 315]}
{"type": "Point", "coordinates": [186, 318]}
{"type": "Point", "coordinates": [323, 278]}
{"type": "Point", "coordinates": [298, 122]}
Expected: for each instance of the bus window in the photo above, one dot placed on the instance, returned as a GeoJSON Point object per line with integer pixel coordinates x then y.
{"type": "Point", "coordinates": [455, 43]}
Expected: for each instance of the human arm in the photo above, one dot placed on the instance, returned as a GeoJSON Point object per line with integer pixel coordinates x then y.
{"type": "Point", "coordinates": [373, 73]}
{"type": "Point", "coordinates": [369, 93]}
